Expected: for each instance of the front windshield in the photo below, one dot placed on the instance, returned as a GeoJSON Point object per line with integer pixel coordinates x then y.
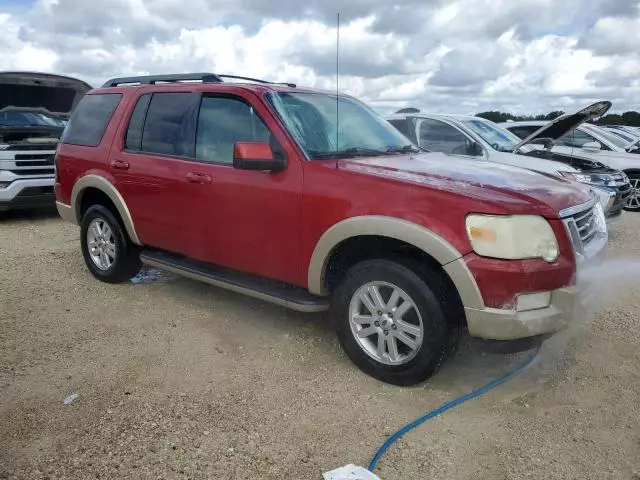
{"type": "Point", "coordinates": [499, 138]}
{"type": "Point", "coordinates": [29, 119]}
{"type": "Point", "coordinates": [311, 119]}
{"type": "Point", "coordinates": [610, 138]}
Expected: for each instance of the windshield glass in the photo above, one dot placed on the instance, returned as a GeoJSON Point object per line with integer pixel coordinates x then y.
{"type": "Point", "coordinates": [612, 139]}
{"type": "Point", "coordinates": [29, 119]}
{"type": "Point", "coordinates": [499, 138]}
{"type": "Point", "coordinates": [311, 119]}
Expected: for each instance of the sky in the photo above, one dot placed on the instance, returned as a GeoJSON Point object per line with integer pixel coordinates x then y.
{"type": "Point", "coordinates": [445, 56]}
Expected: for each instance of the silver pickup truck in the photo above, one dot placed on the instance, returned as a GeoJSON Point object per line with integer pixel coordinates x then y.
{"type": "Point", "coordinates": [33, 112]}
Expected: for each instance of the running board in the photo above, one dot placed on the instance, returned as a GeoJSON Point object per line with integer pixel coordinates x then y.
{"type": "Point", "coordinates": [285, 295]}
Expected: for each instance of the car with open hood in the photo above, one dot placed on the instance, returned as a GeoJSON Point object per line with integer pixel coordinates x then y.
{"type": "Point", "coordinates": [34, 109]}
{"type": "Point", "coordinates": [569, 135]}
{"type": "Point", "coordinates": [483, 140]}
{"type": "Point", "coordinates": [311, 200]}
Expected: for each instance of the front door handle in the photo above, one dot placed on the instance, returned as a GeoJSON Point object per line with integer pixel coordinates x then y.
{"type": "Point", "coordinates": [199, 178]}
{"type": "Point", "coordinates": [120, 165]}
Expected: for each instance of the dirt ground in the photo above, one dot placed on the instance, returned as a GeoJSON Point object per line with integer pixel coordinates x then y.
{"type": "Point", "coordinates": [179, 380]}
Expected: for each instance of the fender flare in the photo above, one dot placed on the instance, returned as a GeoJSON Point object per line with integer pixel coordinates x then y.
{"type": "Point", "coordinates": [106, 187]}
{"type": "Point", "coordinates": [418, 236]}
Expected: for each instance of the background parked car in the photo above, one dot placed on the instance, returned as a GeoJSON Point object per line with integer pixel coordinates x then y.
{"type": "Point", "coordinates": [485, 140]}
{"type": "Point", "coordinates": [630, 134]}
{"type": "Point", "coordinates": [586, 142]}
{"type": "Point", "coordinates": [33, 111]}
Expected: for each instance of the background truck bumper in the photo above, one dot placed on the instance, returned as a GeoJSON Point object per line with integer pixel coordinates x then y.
{"type": "Point", "coordinates": [498, 324]}
{"type": "Point", "coordinates": [27, 193]}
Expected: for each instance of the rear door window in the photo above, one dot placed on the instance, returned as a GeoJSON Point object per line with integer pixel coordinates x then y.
{"type": "Point", "coordinates": [90, 119]}
{"type": "Point", "coordinates": [169, 128]}
{"type": "Point", "coordinates": [133, 139]}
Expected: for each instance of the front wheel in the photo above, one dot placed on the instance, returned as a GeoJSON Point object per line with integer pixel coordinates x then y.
{"type": "Point", "coordinates": [107, 250]}
{"type": "Point", "coordinates": [633, 201]}
{"type": "Point", "coordinates": [390, 322]}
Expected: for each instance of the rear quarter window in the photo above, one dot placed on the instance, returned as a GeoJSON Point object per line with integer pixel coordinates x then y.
{"type": "Point", "coordinates": [90, 118]}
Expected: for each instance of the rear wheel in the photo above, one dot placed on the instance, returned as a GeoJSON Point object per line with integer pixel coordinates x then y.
{"type": "Point", "coordinates": [633, 201]}
{"type": "Point", "coordinates": [107, 250]}
{"type": "Point", "coordinates": [391, 323]}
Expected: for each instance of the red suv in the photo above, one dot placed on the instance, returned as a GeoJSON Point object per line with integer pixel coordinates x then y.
{"type": "Point", "coordinates": [313, 201]}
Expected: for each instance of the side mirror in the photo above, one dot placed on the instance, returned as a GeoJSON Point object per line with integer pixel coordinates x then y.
{"type": "Point", "coordinates": [592, 146]}
{"type": "Point", "coordinates": [256, 156]}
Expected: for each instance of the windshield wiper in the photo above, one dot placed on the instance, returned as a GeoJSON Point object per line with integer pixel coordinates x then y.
{"type": "Point", "coordinates": [406, 149]}
{"type": "Point", "coordinates": [349, 152]}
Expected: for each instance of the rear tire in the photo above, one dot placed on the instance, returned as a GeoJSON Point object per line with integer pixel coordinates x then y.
{"type": "Point", "coordinates": [108, 252]}
{"type": "Point", "coordinates": [633, 201]}
{"type": "Point", "coordinates": [370, 315]}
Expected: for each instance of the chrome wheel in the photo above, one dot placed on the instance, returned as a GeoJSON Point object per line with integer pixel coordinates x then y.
{"type": "Point", "coordinates": [633, 202]}
{"type": "Point", "coordinates": [101, 244]}
{"type": "Point", "coordinates": [386, 323]}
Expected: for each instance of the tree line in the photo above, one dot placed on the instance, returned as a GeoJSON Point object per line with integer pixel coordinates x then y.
{"type": "Point", "coordinates": [631, 118]}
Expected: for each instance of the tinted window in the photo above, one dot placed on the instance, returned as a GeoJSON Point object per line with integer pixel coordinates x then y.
{"type": "Point", "coordinates": [224, 121]}
{"type": "Point", "coordinates": [440, 137]}
{"type": "Point", "coordinates": [90, 119]}
{"type": "Point", "coordinates": [133, 140]}
{"type": "Point", "coordinates": [167, 129]}
{"type": "Point", "coordinates": [523, 132]}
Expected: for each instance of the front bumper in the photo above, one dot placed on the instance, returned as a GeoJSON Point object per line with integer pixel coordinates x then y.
{"type": "Point", "coordinates": [498, 324]}
{"type": "Point", "coordinates": [27, 193]}
{"type": "Point", "coordinates": [531, 301]}
{"type": "Point", "coordinates": [613, 200]}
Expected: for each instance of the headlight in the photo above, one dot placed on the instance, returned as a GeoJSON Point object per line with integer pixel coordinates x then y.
{"type": "Point", "coordinates": [512, 237]}
{"type": "Point", "coordinates": [601, 179]}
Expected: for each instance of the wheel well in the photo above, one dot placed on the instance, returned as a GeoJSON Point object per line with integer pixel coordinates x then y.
{"type": "Point", "coordinates": [93, 196]}
{"type": "Point", "coordinates": [357, 249]}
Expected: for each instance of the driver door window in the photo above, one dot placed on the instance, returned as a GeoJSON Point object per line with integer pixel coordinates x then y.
{"type": "Point", "coordinates": [224, 121]}
{"type": "Point", "coordinates": [437, 136]}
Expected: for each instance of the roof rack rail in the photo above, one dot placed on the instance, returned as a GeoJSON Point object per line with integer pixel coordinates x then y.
{"type": "Point", "coordinates": [153, 79]}
{"type": "Point", "coordinates": [257, 80]}
{"type": "Point", "coordinates": [183, 77]}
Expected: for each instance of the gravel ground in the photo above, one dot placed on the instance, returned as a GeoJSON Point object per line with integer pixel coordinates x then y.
{"type": "Point", "coordinates": [179, 380]}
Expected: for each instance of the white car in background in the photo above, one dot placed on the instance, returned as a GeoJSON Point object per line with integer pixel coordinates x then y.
{"type": "Point", "coordinates": [629, 134]}
{"type": "Point", "coordinates": [482, 139]}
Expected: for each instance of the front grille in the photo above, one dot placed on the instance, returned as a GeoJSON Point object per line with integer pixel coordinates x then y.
{"type": "Point", "coordinates": [30, 163]}
{"type": "Point", "coordinates": [586, 224]}
{"type": "Point", "coordinates": [587, 228]}
{"type": "Point", "coordinates": [20, 147]}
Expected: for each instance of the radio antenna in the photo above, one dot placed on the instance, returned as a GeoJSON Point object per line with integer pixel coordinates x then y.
{"type": "Point", "coordinates": [337, 81]}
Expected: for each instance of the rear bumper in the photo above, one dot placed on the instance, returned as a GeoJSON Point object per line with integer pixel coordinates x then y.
{"type": "Point", "coordinates": [27, 193]}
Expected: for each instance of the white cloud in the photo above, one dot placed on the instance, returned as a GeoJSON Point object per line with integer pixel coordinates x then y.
{"type": "Point", "coordinates": [462, 56]}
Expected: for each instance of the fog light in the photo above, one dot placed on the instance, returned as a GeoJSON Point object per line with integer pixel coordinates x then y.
{"type": "Point", "coordinates": [533, 301]}
{"type": "Point", "coordinates": [4, 184]}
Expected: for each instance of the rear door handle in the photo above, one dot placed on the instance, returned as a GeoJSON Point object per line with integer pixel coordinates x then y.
{"type": "Point", "coordinates": [197, 177]}
{"type": "Point", "coordinates": [120, 164]}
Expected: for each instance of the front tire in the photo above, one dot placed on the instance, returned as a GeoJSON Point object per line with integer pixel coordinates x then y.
{"type": "Point", "coordinates": [391, 323]}
{"type": "Point", "coordinates": [633, 202]}
{"type": "Point", "coordinates": [108, 252]}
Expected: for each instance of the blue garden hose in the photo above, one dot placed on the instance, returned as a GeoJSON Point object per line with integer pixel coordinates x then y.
{"type": "Point", "coordinates": [443, 408]}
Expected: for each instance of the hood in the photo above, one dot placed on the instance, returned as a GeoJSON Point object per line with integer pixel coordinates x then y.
{"type": "Point", "coordinates": [507, 189]}
{"type": "Point", "coordinates": [44, 92]}
{"type": "Point", "coordinates": [540, 162]}
{"type": "Point", "coordinates": [560, 126]}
